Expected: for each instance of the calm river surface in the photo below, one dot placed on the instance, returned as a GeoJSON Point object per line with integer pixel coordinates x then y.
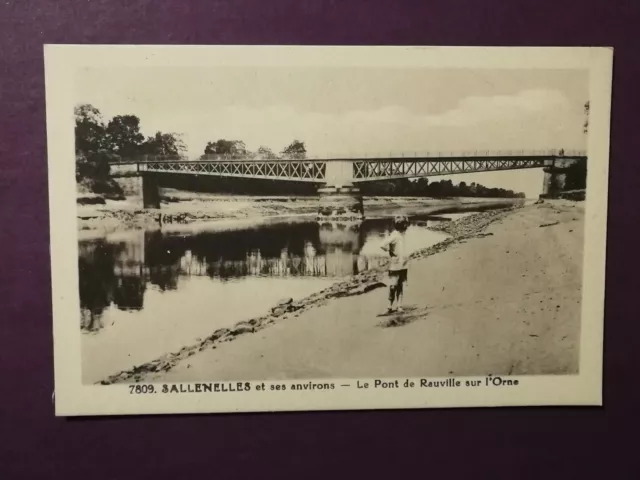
{"type": "Point", "coordinates": [146, 293]}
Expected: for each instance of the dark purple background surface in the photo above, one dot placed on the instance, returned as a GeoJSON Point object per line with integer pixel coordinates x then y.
{"type": "Point", "coordinates": [492, 443]}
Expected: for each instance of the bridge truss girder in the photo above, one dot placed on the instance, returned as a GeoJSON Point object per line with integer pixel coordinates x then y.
{"type": "Point", "coordinates": [295, 170]}
{"type": "Point", "coordinates": [375, 170]}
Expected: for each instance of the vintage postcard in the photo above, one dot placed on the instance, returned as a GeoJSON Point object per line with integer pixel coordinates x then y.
{"type": "Point", "coordinates": [266, 228]}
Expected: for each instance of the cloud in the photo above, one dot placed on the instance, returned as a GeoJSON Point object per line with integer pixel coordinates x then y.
{"type": "Point", "coordinates": [530, 119]}
{"type": "Point", "coordinates": [474, 109]}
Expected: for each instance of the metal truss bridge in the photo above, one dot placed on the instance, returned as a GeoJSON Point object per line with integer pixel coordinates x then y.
{"type": "Point", "coordinates": [343, 171]}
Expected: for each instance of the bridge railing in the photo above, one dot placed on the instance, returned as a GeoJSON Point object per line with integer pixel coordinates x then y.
{"type": "Point", "coordinates": [434, 154]}
{"type": "Point", "coordinates": [437, 154]}
{"type": "Point", "coordinates": [151, 158]}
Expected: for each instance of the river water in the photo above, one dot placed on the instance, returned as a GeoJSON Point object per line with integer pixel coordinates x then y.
{"type": "Point", "coordinates": [146, 293]}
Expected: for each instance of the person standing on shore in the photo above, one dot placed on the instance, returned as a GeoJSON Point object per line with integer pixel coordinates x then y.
{"type": "Point", "coordinates": [395, 245]}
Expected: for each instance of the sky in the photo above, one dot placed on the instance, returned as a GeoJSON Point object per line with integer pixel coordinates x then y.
{"type": "Point", "coordinates": [355, 111]}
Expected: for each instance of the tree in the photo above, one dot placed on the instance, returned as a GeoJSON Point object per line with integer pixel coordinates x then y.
{"type": "Point", "coordinates": [94, 165]}
{"type": "Point", "coordinates": [92, 154]}
{"type": "Point", "coordinates": [295, 150]}
{"type": "Point", "coordinates": [164, 144]}
{"type": "Point", "coordinates": [422, 184]}
{"type": "Point", "coordinates": [265, 153]}
{"type": "Point", "coordinates": [90, 129]}
{"type": "Point", "coordinates": [441, 188]}
{"type": "Point", "coordinates": [235, 148]}
{"type": "Point", "coordinates": [123, 135]}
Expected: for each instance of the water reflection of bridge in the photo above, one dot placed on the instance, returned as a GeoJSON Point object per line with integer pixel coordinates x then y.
{"type": "Point", "coordinates": [334, 264]}
{"type": "Point", "coordinates": [337, 263]}
{"type": "Point", "coordinates": [118, 271]}
{"type": "Point", "coordinates": [325, 250]}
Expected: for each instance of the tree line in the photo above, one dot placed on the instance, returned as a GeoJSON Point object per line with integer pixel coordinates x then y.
{"type": "Point", "coordinates": [422, 187]}
{"type": "Point", "coordinates": [100, 143]}
{"type": "Point", "coordinates": [120, 136]}
{"type": "Point", "coordinates": [237, 149]}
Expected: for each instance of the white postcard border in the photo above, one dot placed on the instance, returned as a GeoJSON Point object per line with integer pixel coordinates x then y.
{"type": "Point", "coordinates": [74, 398]}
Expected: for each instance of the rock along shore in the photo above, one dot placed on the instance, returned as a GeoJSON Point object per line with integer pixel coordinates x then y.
{"type": "Point", "coordinates": [458, 231]}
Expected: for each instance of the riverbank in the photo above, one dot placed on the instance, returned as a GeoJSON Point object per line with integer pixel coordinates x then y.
{"type": "Point", "coordinates": [179, 208]}
{"type": "Point", "coordinates": [502, 296]}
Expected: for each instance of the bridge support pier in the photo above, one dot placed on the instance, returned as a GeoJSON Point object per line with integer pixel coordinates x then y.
{"type": "Point", "coordinates": [553, 183]}
{"type": "Point", "coordinates": [339, 198]}
{"type": "Point", "coordinates": [340, 203]}
{"type": "Point", "coordinates": [555, 177]}
{"type": "Point", "coordinates": [150, 191]}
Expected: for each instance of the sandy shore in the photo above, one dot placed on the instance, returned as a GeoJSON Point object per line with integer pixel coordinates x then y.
{"type": "Point", "coordinates": [501, 296]}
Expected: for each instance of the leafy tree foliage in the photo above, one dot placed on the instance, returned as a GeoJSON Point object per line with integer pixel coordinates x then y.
{"type": "Point", "coordinates": [123, 135]}
{"type": "Point", "coordinates": [93, 153]}
{"type": "Point", "coordinates": [164, 144]}
{"type": "Point", "coordinates": [234, 148]}
{"type": "Point", "coordinates": [295, 150]}
{"type": "Point", "coordinates": [120, 138]}
{"type": "Point", "coordinates": [98, 145]}
{"type": "Point", "coordinates": [94, 165]}
{"type": "Point", "coordinates": [265, 153]}
{"type": "Point", "coordinates": [238, 149]}
{"type": "Point", "coordinates": [90, 129]}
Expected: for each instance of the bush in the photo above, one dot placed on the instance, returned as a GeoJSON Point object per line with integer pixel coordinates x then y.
{"type": "Point", "coordinates": [92, 173]}
{"type": "Point", "coordinates": [94, 165]}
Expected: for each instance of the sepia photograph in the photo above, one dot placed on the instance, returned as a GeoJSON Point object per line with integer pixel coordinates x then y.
{"type": "Point", "coordinates": [309, 228]}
